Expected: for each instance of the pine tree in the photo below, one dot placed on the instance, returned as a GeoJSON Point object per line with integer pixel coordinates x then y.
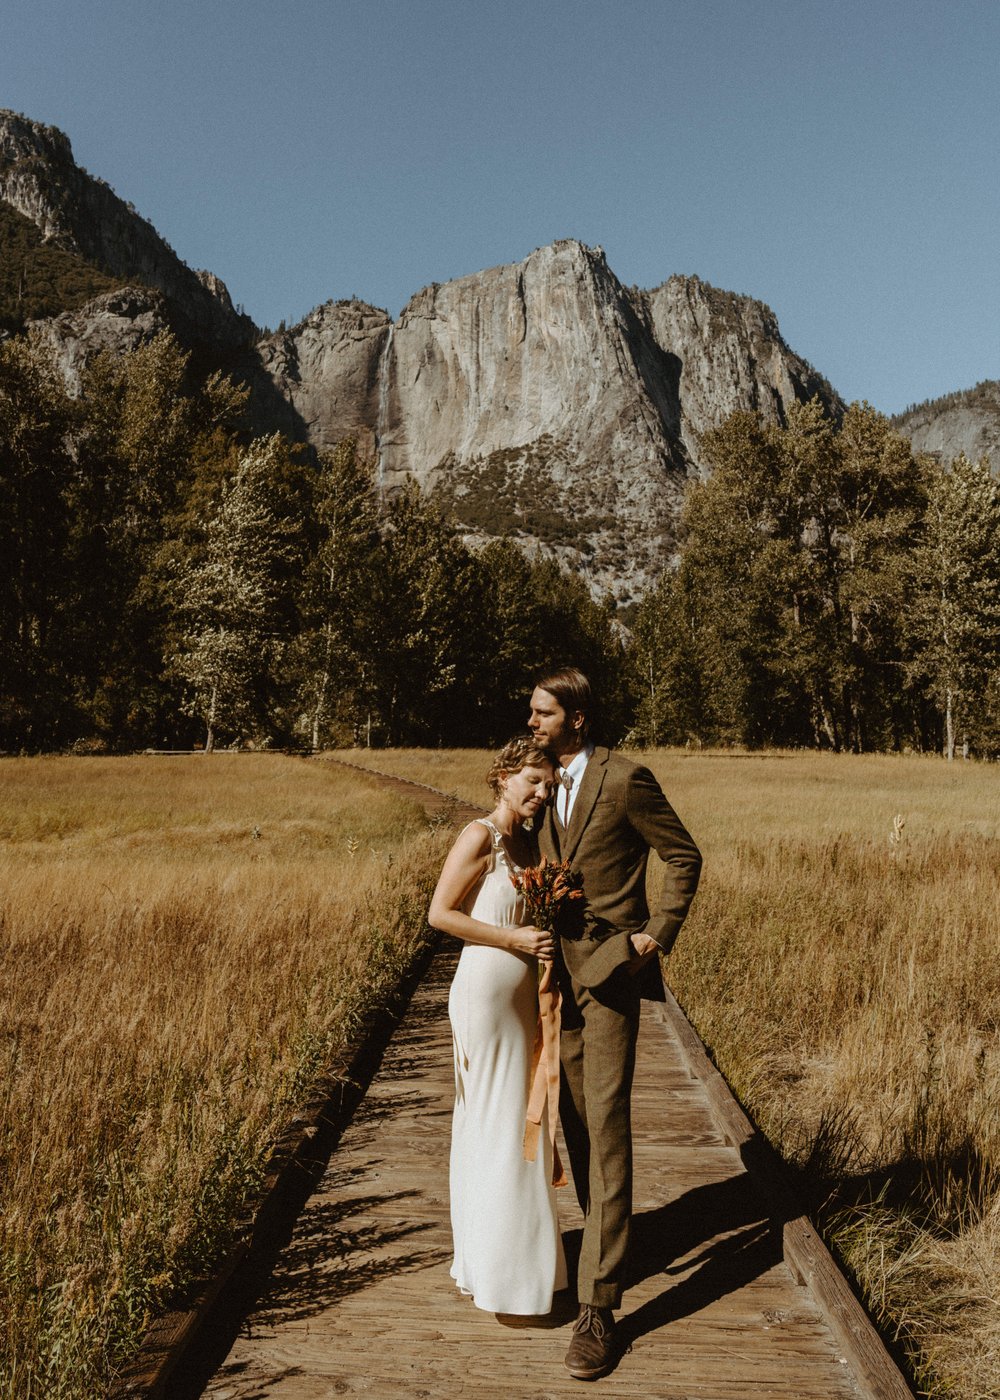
{"type": "Point", "coordinates": [792, 583]}
{"type": "Point", "coordinates": [329, 656]}
{"type": "Point", "coordinates": [742, 559]}
{"type": "Point", "coordinates": [665, 668]}
{"type": "Point", "coordinates": [35, 469]}
{"type": "Point", "coordinates": [865, 503]}
{"type": "Point", "coordinates": [426, 647]}
{"type": "Point", "coordinates": [143, 426]}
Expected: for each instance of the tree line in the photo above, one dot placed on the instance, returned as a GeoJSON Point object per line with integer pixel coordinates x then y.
{"type": "Point", "coordinates": [832, 590]}
{"type": "Point", "coordinates": [168, 581]}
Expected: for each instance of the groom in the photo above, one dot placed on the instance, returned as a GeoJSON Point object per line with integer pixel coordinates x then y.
{"type": "Point", "coordinates": [607, 814]}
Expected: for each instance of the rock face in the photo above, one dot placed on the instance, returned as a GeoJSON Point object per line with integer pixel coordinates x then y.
{"type": "Point", "coordinates": [83, 215]}
{"type": "Point", "coordinates": [550, 347]}
{"type": "Point", "coordinates": [968, 422]}
{"type": "Point", "coordinates": [536, 400]}
{"type": "Point", "coordinates": [730, 354]}
{"type": "Point", "coordinates": [326, 373]}
{"type": "Point", "coordinates": [542, 399]}
{"type": "Point", "coordinates": [118, 322]}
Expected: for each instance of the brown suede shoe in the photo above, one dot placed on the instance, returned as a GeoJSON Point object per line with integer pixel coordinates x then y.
{"type": "Point", "coordinates": [593, 1350]}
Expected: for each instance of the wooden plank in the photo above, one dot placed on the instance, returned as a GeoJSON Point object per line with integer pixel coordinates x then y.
{"type": "Point", "coordinates": [294, 1167]}
{"type": "Point", "coordinates": [815, 1267]}
{"type": "Point", "coordinates": [804, 1248]}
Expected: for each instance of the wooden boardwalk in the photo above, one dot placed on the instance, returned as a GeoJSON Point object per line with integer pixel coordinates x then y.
{"type": "Point", "coordinates": [361, 1303]}
{"type": "Point", "coordinates": [730, 1296]}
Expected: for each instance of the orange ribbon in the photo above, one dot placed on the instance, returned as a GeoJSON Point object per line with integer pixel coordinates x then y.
{"type": "Point", "coordinates": [545, 1073]}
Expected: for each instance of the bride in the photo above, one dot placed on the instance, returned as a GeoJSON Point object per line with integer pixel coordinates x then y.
{"type": "Point", "coordinates": [508, 1249]}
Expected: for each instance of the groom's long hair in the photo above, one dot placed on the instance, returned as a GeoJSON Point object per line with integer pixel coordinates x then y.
{"type": "Point", "coordinates": [571, 688]}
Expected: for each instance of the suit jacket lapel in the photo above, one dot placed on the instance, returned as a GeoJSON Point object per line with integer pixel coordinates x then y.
{"type": "Point", "coordinates": [551, 832]}
{"type": "Point", "coordinates": [590, 787]}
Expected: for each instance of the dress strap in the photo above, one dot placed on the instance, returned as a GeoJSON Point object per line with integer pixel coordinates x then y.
{"type": "Point", "coordinates": [498, 847]}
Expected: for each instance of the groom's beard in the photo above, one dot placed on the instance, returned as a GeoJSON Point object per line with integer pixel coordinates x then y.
{"type": "Point", "coordinates": [565, 743]}
{"type": "Point", "coordinates": [566, 756]}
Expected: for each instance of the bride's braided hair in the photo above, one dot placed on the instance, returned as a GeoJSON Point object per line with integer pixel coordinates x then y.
{"type": "Point", "coordinates": [517, 753]}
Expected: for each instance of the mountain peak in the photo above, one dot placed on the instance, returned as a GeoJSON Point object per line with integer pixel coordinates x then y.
{"type": "Point", "coordinates": [82, 215]}
{"type": "Point", "coordinates": [19, 135]}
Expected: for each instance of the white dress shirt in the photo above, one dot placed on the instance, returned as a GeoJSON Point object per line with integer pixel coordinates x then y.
{"type": "Point", "coordinates": [575, 768]}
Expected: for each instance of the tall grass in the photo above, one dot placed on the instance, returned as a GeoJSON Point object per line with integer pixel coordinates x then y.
{"type": "Point", "coordinates": [842, 962]}
{"type": "Point", "coordinates": [186, 944]}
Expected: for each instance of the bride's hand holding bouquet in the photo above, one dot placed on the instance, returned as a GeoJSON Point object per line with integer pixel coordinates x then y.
{"type": "Point", "coordinates": [548, 889]}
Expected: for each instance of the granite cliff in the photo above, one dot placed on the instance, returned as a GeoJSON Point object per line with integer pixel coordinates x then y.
{"type": "Point", "coordinates": [80, 214]}
{"type": "Point", "coordinates": [326, 373]}
{"type": "Point", "coordinates": [730, 356]}
{"type": "Point", "coordinates": [542, 399]}
{"type": "Point", "coordinates": [967, 421]}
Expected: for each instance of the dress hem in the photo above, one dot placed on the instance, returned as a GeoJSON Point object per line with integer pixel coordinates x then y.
{"type": "Point", "coordinates": [508, 1312]}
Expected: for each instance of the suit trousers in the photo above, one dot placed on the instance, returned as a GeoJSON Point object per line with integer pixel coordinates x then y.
{"type": "Point", "coordinates": [600, 1026]}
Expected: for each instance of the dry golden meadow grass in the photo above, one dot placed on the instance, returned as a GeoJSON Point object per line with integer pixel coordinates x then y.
{"type": "Point", "coordinates": [844, 968]}
{"type": "Point", "coordinates": [186, 944]}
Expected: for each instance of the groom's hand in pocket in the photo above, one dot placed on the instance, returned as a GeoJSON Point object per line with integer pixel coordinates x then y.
{"type": "Point", "coordinates": [644, 950]}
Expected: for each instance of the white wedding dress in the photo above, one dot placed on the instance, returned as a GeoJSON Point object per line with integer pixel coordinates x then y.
{"type": "Point", "coordinates": [508, 1249]}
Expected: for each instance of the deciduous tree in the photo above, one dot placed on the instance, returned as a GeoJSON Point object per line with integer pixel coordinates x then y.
{"type": "Point", "coordinates": [237, 599]}
{"type": "Point", "coordinates": [954, 616]}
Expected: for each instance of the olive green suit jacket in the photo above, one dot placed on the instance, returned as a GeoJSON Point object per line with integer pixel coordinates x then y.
{"type": "Point", "coordinates": [619, 816]}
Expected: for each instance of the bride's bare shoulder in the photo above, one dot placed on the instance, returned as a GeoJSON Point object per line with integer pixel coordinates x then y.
{"type": "Point", "coordinates": [474, 840]}
{"type": "Point", "coordinates": [470, 855]}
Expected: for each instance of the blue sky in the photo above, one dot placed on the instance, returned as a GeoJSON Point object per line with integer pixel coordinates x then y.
{"type": "Point", "coordinates": [838, 161]}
